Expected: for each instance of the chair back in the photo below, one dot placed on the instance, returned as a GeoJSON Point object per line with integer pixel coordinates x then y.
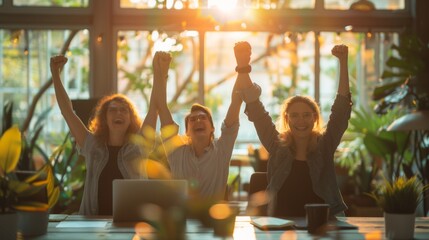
{"type": "Point", "coordinates": [257, 198]}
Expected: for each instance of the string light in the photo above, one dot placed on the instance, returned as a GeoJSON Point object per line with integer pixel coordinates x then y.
{"type": "Point", "coordinates": [338, 37]}
{"type": "Point", "coordinates": [369, 34]}
{"type": "Point", "coordinates": [100, 38]}
{"type": "Point", "coordinates": [15, 41]}
{"type": "Point", "coordinates": [122, 40]}
{"type": "Point", "coordinates": [243, 25]}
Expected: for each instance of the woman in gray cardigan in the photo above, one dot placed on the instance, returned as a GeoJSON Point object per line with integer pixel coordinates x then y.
{"type": "Point", "coordinates": [301, 162]}
{"type": "Point", "coordinates": [104, 143]}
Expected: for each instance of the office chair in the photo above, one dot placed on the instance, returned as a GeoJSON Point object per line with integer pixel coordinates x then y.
{"type": "Point", "coordinates": [257, 198]}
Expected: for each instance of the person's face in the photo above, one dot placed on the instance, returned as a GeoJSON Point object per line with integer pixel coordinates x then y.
{"type": "Point", "coordinates": [199, 125]}
{"type": "Point", "coordinates": [118, 116]}
{"type": "Point", "coordinates": [300, 118]}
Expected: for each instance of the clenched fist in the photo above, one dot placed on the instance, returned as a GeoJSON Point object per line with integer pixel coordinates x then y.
{"type": "Point", "coordinates": [242, 52]}
{"type": "Point", "coordinates": [340, 51]}
{"type": "Point", "coordinates": [57, 63]}
{"type": "Point", "coordinates": [161, 63]}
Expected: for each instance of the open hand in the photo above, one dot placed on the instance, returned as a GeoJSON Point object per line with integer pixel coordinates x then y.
{"type": "Point", "coordinates": [340, 51]}
{"type": "Point", "coordinates": [242, 52]}
{"type": "Point", "coordinates": [57, 63]}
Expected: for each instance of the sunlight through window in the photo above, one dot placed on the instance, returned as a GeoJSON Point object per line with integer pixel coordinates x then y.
{"type": "Point", "coordinates": [225, 5]}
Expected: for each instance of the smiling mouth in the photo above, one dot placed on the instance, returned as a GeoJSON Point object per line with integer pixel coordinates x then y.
{"type": "Point", "coordinates": [118, 121]}
{"type": "Point", "coordinates": [199, 129]}
{"type": "Point", "coordinates": [301, 128]}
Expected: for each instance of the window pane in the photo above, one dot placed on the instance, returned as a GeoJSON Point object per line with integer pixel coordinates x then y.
{"type": "Point", "coordinates": [379, 4]}
{"type": "Point", "coordinates": [135, 76]}
{"type": "Point", "coordinates": [167, 4]}
{"type": "Point", "coordinates": [50, 3]}
{"type": "Point", "coordinates": [269, 4]}
{"type": "Point", "coordinates": [24, 58]}
{"type": "Point", "coordinates": [222, 4]}
{"type": "Point", "coordinates": [367, 53]}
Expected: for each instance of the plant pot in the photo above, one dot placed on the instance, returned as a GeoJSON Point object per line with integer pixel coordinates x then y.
{"type": "Point", "coordinates": [32, 223]}
{"type": "Point", "coordinates": [399, 226]}
{"type": "Point", "coordinates": [8, 225]}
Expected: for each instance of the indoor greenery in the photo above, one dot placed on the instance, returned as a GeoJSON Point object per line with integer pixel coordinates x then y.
{"type": "Point", "coordinates": [16, 194]}
{"type": "Point", "coordinates": [370, 148]}
{"type": "Point", "coordinates": [401, 196]}
{"type": "Point", "coordinates": [67, 166]}
{"type": "Point", "coordinates": [405, 79]}
{"type": "Point", "coordinates": [405, 85]}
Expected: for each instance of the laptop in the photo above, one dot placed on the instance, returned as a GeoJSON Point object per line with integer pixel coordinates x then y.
{"type": "Point", "coordinates": [137, 200]}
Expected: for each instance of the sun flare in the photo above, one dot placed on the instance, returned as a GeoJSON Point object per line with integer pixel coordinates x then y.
{"type": "Point", "coordinates": [223, 5]}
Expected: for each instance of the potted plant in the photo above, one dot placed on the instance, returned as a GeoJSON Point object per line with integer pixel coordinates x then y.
{"type": "Point", "coordinates": [405, 85]}
{"type": "Point", "coordinates": [399, 200]}
{"type": "Point", "coordinates": [33, 210]}
{"type": "Point", "coordinates": [18, 196]}
{"type": "Point", "coordinates": [367, 150]}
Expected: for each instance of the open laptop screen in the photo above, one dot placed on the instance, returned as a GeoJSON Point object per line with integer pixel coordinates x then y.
{"type": "Point", "coordinates": [141, 199]}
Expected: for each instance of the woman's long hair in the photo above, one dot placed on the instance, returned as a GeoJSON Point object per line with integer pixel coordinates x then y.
{"type": "Point", "coordinates": [285, 136]}
{"type": "Point", "coordinates": [98, 124]}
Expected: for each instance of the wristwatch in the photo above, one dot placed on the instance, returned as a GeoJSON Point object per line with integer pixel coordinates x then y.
{"type": "Point", "coordinates": [246, 69]}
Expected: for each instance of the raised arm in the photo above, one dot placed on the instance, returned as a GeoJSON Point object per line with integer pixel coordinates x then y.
{"type": "Point", "coordinates": [149, 123]}
{"type": "Point", "coordinates": [161, 63]}
{"type": "Point", "coordinates": [242, 52]}
{"type": "Point", "coordinates": [341, 52]}
{"type": "Point", "coordinates": [250, 93]}
{"type": "Point", "coordinates": [77, 128]}
{"type": "Point", "coordinates": [341, 108]}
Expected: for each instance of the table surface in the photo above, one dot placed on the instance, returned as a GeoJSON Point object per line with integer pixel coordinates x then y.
{"type": "Point", "coordinates": [80, 227]}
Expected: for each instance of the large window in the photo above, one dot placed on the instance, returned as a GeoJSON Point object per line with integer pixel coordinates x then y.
{"type": "Point", "coordinates": [378, 4]}
{"type": "Point", "coordinates": [256, 4]}
{"type": "Point", "coordinates": [291, 53]}
{"type": "Point", "coordinates": [25, 73]}
{"type": "Point", "coordinates": [50, 3]}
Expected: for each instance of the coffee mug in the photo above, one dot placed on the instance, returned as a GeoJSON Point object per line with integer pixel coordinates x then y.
{"type": "Point", "coordinates": [317, 217]}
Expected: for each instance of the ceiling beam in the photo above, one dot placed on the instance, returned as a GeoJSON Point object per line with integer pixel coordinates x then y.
{"type": "Point", "coordinates": [207, 20]}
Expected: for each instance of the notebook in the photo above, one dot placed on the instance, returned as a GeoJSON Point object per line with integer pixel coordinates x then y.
{"type": "Point", "coordinates": [141, 199]}
{"type": "Point", "coordinates": [271, 223]}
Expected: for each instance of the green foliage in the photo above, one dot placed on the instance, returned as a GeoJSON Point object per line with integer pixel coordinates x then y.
{"type": "Point", "coordinates": [69, 168]}
{"type": "Point", "coordinates": [401, 196]}
{"type": "Point", "coordinates": [7, 117]}
{"type": "Point", "coordinates": [370, 146]}
{"type": "Point", "coordinates": [12, 189]}
{"type": "Point", "coordinates": [64, 166]}
{"type": "Point", "coordinates": [405, 77]}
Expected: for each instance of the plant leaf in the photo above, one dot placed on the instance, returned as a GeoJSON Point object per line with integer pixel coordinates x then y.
{"type": "Point", "coordinates": [24, 189]}
{"type": "Point", "coordinates": [31, 206]}
{"type": "Point", "coordinates": [10, 149]}
{"type": "Point", "coordinates": [386, 89]}
{"type": "Point", "coordinates": [53, 197]}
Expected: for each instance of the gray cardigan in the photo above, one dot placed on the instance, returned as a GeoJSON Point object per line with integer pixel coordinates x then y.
{"type": "Point", "coordinates": [320, 162]}
{"type": "Point", "coordinates": [96, 157]}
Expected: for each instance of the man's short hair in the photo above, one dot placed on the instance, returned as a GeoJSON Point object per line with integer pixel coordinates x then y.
{"type": "Point", "coordinates": [198, 107]}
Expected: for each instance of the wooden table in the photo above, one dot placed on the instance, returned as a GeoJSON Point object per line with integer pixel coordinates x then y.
{"type": "Point", "coordinates": [60, 227]}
